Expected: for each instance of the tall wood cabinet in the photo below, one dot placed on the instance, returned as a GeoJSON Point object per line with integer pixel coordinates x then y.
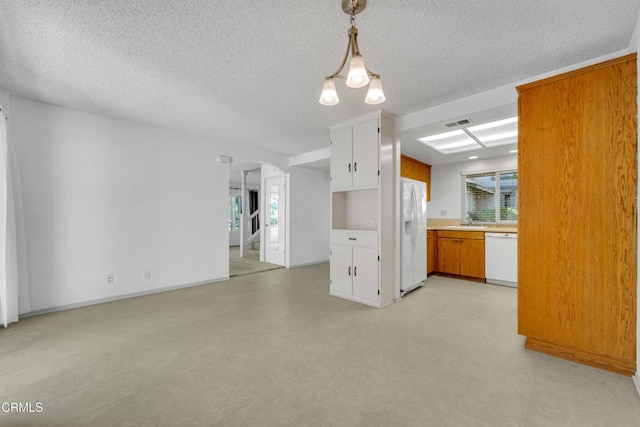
{"type": "Point", "coordinates": [577, 149]}
{"type": "Point", "coordinates": [364, 210]}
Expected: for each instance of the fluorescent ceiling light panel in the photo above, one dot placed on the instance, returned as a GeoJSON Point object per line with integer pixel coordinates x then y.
{"type": "Point", "coordinates": [450, 142]}
{"type": "Point", "coordinates": [496, 133]}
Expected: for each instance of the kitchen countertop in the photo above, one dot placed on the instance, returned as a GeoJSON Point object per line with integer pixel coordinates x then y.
{"type": "Point", "coordinates": [486, 229]}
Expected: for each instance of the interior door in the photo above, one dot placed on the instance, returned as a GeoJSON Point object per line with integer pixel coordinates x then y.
{"type": "Point", "coordinates": [275, 203]}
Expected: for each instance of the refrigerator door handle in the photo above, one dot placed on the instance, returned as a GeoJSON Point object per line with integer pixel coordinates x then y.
{"type": "Point", "coordinates": [414, 228]}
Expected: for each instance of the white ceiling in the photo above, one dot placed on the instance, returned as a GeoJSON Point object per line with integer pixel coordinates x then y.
{"type": "Point", "coordinates": [250, 72]}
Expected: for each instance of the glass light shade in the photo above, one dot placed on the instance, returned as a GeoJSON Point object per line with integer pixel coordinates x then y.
{"type": "Point", "coordinates": [375, 95]}
{"type": "Point", "coordinates": [357, 76]}
{"type": "Point", "coordinates": [329, 96]}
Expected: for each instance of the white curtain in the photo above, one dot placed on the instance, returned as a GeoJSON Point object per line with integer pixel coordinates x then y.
{"type": "Point", "coordinates": [11, 234]}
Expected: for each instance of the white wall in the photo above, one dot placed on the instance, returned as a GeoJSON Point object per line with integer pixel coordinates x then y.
{"type": "Point", "coordinates": [446, 184]}
{"type": "Point", "coordinates": [4, 98]}
{"type": "Point", "coordinates": [308, 216]}
{"type": "Point", "coordinates": [104, 196]}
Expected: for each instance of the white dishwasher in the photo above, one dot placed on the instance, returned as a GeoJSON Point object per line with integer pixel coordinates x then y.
{"type": "Point", "coordinates": [501, 258]}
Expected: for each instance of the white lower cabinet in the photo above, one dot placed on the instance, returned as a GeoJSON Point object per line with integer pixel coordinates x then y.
{"type": "Point", "coordinates": [354, 268]}
{"type": "Point", "coordinates": [341, 263]}
{"type": "Point", "coordinates": [365, 273]}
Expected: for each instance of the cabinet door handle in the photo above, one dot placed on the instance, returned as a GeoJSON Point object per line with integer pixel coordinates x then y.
{"type": "Point", "coordinates": [352, 238]}
{"type": "Point", "coordinates": [349, 271]}
{"type": "Point", "coordinates": [355, 271]}
{"type": "Point", "coordinates": [355, 166]}
{"type": "Point", "coordinates": [349, 167]}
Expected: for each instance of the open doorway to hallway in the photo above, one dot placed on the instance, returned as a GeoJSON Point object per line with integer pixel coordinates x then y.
{"type": "Point", "coordinates": [248, 264]}
{"type": "Point", "coordinates": [247, 214]}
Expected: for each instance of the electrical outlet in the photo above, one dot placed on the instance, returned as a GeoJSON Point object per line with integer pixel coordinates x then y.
{"type": "Point", "coordinates": [109, 279]}
{"type": "Point", "coordinates": [147, 275]}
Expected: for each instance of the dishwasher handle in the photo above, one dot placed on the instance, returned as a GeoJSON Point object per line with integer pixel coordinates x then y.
{"type": "Point", "coordinates": [501, 235]}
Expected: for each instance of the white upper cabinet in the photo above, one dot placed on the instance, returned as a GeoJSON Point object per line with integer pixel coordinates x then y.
{"type": "Point", "coordinates": [341, 158]}
{"type": "Point", "coordinates": [354, 156]}
{"type": "Point", "coordinates": [365, 154]}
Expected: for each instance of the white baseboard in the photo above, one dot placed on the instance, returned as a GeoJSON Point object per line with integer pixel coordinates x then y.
{"type": "Point", "coordinates": [119, 297]}
{"type": "Point", "coordinates": [636, 381]}
{"type": "Point", "coordinates": [305, 264]}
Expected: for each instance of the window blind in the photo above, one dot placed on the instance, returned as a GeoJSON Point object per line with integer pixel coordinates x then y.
{"type": "Point", "coordinates": [490, 197]}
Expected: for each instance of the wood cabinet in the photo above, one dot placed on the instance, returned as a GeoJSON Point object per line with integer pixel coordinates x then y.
{"type": "Point", "coordinates": [577, 192]}
{"type": "Point", "coordinates": [431, 251]}
{"type": "Point", "coordinates": [415, 169]}
{"type": "Point", "coordinates": [448, 254]}
{"type": "Point", "coordinates": [363, 182]}
{"type": "Point", "coordinates": [354, 159]}
{"type": "Point", "coordinates": [461, 253]}
{"type": "Point", "coordinates": [472, 257]}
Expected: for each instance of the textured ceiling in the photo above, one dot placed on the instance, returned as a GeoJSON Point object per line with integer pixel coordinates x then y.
{"type": "Point", "coordinates": [249, 72]}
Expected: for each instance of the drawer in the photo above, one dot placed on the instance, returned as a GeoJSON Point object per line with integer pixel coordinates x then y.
{"type": "Point", "coordinates": [476, 235]}
{"type": "Point", "coordinates": [357, 238]}
{"type": "Point", "coordinates": [448, 234]}
{"type": "Point", "coordinates": [479, 235]}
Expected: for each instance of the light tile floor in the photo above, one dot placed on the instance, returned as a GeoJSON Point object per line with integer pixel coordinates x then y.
{"type": "Point", "coordinates": [274, 349]}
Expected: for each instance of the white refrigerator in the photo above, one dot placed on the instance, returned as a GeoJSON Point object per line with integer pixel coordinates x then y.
{"type": "Point", "coordinates": [413, 235]}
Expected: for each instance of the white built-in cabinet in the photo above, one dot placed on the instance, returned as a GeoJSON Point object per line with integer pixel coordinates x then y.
{"type": "Point", "coordinates": [355, 157]}
{"type": "Point", "coordinates": [363, 210]}
{"type": "Point", "coordinates": [354, 264]}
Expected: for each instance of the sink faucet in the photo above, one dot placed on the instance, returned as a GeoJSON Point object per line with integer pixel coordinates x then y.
{"type": "Point", "coordinates": [471, 221]}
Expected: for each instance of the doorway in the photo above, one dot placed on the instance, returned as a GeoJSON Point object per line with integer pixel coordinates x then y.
{"type": "Point", "coordinates": [275, 208]}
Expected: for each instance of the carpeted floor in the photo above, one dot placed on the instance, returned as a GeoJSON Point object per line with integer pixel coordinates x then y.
{"type": "Point", "coordinates": [249, 264]}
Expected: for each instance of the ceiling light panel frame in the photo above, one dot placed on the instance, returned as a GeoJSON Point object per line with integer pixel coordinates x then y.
{"type": "Point", "coordinates": [485, 135]}
{"type": "Point", "coordinates": [455, 141]}
{"type": "Point", "coordinates": [496, 133]}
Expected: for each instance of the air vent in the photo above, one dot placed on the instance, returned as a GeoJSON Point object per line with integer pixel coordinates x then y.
{"type": "Point", "coordinates": [456, 123]}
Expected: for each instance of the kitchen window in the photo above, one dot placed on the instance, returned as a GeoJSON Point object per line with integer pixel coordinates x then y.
{"type": "Point", "coordinates": [490, 197]}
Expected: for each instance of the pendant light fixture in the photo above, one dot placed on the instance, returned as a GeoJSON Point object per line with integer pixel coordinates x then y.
{"type": "Point", "coordinates": [359, 75]}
